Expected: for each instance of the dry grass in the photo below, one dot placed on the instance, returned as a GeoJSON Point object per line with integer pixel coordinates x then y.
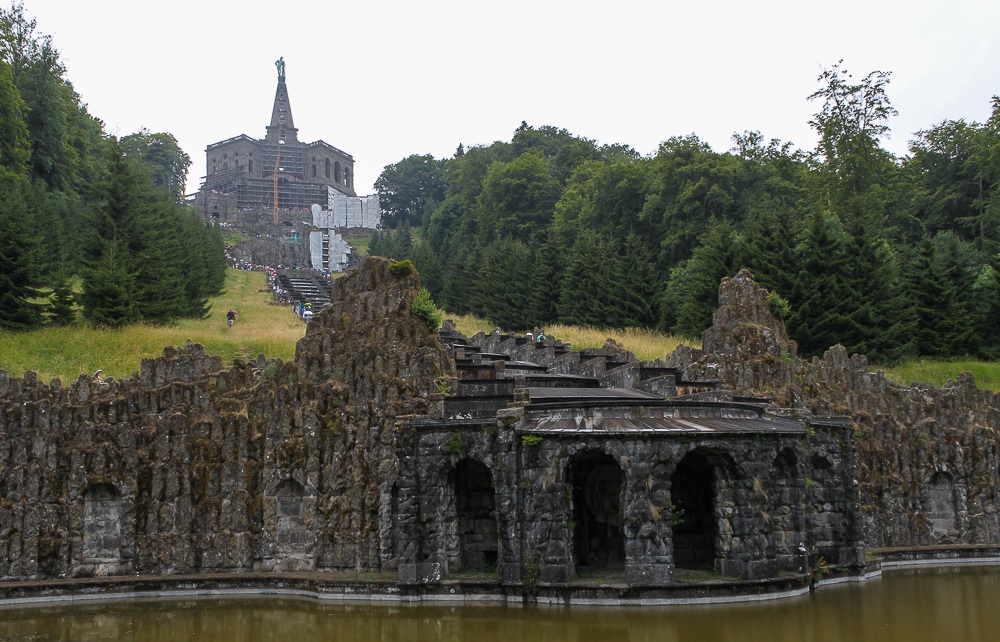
{"type": "Point", "coordinates": [65, 353]}
{"type": "Point", "coordinates": [646, 344]}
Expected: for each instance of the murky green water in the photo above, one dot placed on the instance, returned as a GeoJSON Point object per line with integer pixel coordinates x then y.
{"type": "Point", "coordinates": [950, 604]}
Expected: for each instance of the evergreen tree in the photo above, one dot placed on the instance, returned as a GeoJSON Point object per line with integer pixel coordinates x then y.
{"type": "Point", "coordinates": [821, 297]}
{"type": "Point", "coordinates": [429, 267]}
{"type": "Point", "coordinates": [18, 284]}
{"type": "Point", "coordinates": [460, 285]}
{"type": "Point", "coordinates": [504, 277]}
{"type": "Point", "coordinates": [583, 299]}
{"type": "Point", "coordinates": [546, 279]}
{"type": "Point", "coordinates": [770, 240]}
{"type": "Point", "coordinates": [62, 306]}
{"type": "Point", "coordinates": [112, 260]}
{"type": "Point", "coordinates": [109, 288]}
{"type": "Point", "coordinates": [940, 324]}
{"type": "Point", "coordinates": [636, 285]}
{"type": "Point", "coordinates": [715, 257]}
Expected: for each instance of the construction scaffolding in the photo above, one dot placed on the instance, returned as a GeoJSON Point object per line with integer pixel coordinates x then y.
{"type": "Point", "coordinates": [252, 192]}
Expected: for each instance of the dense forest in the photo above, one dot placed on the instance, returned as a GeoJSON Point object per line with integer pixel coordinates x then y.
{"type": "Point", "coordinates": [892, 257]}
{"type": "Point", "coordinates": [89, 222]}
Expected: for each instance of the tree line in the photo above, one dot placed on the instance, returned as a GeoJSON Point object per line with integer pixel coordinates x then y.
{"type": "Point", "coordinates": [891, 257]}
{"type": "Point", "coordinates": [88, 221]}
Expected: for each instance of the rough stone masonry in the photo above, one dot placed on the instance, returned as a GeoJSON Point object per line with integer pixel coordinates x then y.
{"type": "Point", "coordinates": [380, 447]}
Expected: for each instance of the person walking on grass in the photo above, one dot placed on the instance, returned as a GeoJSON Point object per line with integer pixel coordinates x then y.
{"type": "Point", "coordinates": [231, 317]}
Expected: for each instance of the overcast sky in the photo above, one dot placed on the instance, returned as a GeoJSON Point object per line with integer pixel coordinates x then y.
{"type": "Point", "coordinates": [385, 79]}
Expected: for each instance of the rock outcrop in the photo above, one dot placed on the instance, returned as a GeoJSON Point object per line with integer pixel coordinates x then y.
{"type": "Point", "coordinates": [927, 457]}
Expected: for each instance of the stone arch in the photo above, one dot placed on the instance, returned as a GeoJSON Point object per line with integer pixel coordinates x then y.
{"type": "Point", "coordinates": [347, 177]}
{"type": "Point", "coordinates": [326, 167]}
{"type": "Point", "coordinates": [250, 166]}
{"type": "Point", "coordinates": [102, 523]}
{"type": "Point", "coordinates": [290, 518]}
{"type": "Point", "coordinates": [336, 171]}
{"type": "Point", "coordinates": [597, 487]}
{"type": "Point", "coordinates": [314, 170]}
{"type": "Point", "coordinates": [700, 485]}
{"type": "Point", "coordinates": [940, 504]}
{"type": "Point", "coordinates": [475, 545]}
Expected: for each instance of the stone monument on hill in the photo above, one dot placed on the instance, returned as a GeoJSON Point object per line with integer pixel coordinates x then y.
{"type": "Point", "coordinates": [243, 173]}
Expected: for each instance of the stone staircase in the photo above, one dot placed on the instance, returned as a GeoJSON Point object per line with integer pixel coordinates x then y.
{"type": "Point", "coordinates": [306, 286]}
{"type": "Point", "coordinates": [498, 369]}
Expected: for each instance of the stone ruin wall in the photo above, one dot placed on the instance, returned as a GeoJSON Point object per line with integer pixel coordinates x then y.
{"type": "Point", "coordinates": [274, 466]}
{"type": "Point", "coordinates": [928, 466]}
{"type": "Point", "coordinates": [191, 467]}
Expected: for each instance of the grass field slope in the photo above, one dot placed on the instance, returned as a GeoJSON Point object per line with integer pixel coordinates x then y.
{"type": "Point", "coordinates": [265, 328]}
{"type": "Point", "coordinates": [67, 352]}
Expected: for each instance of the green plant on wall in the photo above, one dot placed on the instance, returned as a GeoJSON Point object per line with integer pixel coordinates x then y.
{"type": "Point", "coordinates": [401, 268]}
{"type": "Point", "coordinates": [676, 515]}
{"type": "Point", "coordinates": [424, 308]}
{"type": "Point", "coordinates": [778, 305]}
{"type": "Point", "coordinates": [454, 444]}
{"type": "Point", "coordinates": [530, 440]}
{"type": "Point", "coordinates": [443, 386]}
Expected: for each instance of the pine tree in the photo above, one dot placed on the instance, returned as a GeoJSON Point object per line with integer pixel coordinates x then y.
{"type": "Point", "coordinates": [714, 258]}
{"type": "Point", "coordinates": [111, 262]}
{"type": "Point", "coordinates": [546, 278]}
{"type": "Point", "coordinates": [62, 305]}
{"type": "Point", "coordinates": [18, 286]}
{"type": "Point", "coordinates": [584, 295]}
{"type": "Point", "coordinates": [821, 299]}
{"type": "Point", "coordinates": [636, 284]}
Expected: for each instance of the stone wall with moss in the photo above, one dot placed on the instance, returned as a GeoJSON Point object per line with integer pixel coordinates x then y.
{"type": "Point", "coordinates": [928, 470]}
{"type": "Point", "coordinates": [190, 466]}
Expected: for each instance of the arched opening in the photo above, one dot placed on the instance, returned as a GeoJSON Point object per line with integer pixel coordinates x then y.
{"type": "Point", "coordinates": [347, 177]}
{"type": "Point", "coordinates": [336, 171]}
{"type": "Point", "coordinates": [941, 505]}
{"type": "Point", "coordinates": [314, 170]}
{"type": "Point", "coordinates": [250, 166]}
{"type": "Point", "coordinates": [475, 508]}
{"type": "Point", "coordinates": [596, 525]}
{"type": "Point", "coordinates": [692, 494]}
{"type": "Point", "coordinates": [102, 523]}
{"type": "Point", "coordinates": [326, 163]}
{"type": "Point", "coordinates": [292, 535]}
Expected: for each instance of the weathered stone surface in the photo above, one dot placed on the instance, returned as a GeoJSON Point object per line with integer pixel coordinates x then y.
{"type": "Point", "coordinates": [191, 466]}
{"type": "Point", "coordinates": [926, 457]}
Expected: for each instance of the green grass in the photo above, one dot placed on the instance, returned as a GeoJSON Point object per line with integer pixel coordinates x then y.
{"type": "Point", "coordinates": [67, 352]}
{"type": "Point", "coordinates": [646, 344]}
{"type": "Point", "coordinates": [272, 330]}
{"type": "Point", "coordinates": [987, 373]}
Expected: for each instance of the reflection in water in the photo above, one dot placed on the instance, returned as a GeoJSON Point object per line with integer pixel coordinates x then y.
{"type": "Point", "coordinates": [930, 604]}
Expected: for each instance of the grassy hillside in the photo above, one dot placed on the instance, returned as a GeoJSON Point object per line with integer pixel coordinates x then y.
{"type": "Point", "coordinates": [939, 372]}
{"type": "Point", "coordinates": [67, 352]}
{"type": "Point", "coordinates": [273, 330]}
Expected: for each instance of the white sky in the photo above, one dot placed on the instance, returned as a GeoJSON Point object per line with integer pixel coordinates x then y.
{"type": "Point", "coordinates": [383, 79]}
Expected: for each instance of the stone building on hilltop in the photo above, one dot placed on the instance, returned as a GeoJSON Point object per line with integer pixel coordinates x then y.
{"type": "Point", "coordinates": [244, 173]}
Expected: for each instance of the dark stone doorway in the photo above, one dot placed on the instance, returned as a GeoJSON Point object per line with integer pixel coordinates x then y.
{"type": "Point", "coordinates": [598, 538]}
{"type": "Point", "coordinates": [692, 493]}
{"type": "Point", "coordinates": [475, 503]}
{"type": "Point", "coordinates": [102, 523]}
